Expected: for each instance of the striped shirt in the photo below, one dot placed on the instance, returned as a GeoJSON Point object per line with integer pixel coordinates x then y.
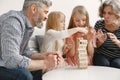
{"type": "Point", "coordinates": [108, 48]}
{"type": "Point", "coordinates": [15, 31]}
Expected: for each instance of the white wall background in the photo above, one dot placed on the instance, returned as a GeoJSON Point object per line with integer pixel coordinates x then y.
{"type": "Point", "coordinates": [65, 6]}
{"type": "Point", "coordinates": [6, 5]}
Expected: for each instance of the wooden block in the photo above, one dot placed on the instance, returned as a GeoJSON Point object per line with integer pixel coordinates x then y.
{"type": "Point", "coordinates": [82, 53]}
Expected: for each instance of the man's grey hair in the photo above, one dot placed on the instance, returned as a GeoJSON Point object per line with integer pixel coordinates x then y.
{"type": "Point", "coordinates": [28, 3]}
{"type": "Point", "coordinates": [115, 4]}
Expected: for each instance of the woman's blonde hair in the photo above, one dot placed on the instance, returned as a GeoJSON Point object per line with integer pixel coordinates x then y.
{"type": "Point", "coordinates": [115, 4]}
{"type": "Point", "coordinates": [53, 21]}
{"type": "Point", "coordinates": [81, 10]}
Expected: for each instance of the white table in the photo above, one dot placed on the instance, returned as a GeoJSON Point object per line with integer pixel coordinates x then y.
{"type": "Point", "coordinates": [91, 73]}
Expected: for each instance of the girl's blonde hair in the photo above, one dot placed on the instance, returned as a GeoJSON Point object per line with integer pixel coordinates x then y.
{"type": "Point", "coordinates": [53, 21]}
{"type": "Point", "coordinates": [81, 10]}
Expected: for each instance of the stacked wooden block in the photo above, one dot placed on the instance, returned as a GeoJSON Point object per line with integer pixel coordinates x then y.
{"type": "Point", "coordinates": [82, 53]}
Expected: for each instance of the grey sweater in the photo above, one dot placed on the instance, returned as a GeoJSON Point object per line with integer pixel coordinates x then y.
{"type": "Point", "coordinates": [15, 31]}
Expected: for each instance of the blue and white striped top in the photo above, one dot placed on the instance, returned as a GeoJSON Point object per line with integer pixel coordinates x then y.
{"type": "Point", "coordinates": [15, 31]}
{"type": "Point", "coordinates": [108, 48]}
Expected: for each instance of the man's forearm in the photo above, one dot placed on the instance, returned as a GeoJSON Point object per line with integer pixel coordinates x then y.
{"type": "Point", "coordinates": [36, 65]}
{"type": "Point", "coordinates": [37, 56]}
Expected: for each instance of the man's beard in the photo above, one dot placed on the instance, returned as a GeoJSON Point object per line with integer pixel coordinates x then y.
{"type": "Point", "coordinates": [38, 22]}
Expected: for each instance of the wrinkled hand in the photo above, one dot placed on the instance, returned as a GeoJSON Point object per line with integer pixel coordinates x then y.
{"type": "Point", "coordinates": [52, 60]}
{"type": "Point", "coordinates": [101, 37]}
{"type": "Point", "coordinates": [113, 38]}
{"type": "Point", "coordinates": [45, 55]}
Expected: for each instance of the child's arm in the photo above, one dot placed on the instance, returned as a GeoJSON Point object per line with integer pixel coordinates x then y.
{"type": "Point", "coordinates": [68, 45]}
{"type": "Point", "coordinates": [91, 37]}
{"type": "Point", "coordinates": [64, 33]}
{"type": "Point", "coordinates": [69, 51]}
{"type": "Point", "coordinates": [90, 51]}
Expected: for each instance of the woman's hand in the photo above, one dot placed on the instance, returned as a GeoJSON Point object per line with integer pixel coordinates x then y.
{"type": "Point", "coordinates": [114, 38]}
{"type": "Point", "coordinates": [101, 37]}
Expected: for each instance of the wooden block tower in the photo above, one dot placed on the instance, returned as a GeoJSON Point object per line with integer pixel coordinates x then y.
{"type": "Point", "coordinates": [82, 53]}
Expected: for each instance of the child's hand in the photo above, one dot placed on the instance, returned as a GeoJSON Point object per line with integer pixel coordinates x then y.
{"type": "Point", "coordinates": [91, 34]}
{"type": "Point", "coordinates": [72, 60]}
{"type": "Point", "coordinates": [68, 45]}
{"type": "Point", "coordinates": [83, 30]}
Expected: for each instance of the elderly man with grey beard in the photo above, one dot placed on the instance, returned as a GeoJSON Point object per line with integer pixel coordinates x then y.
{"type": "Point", "coordinates": [17, 62]}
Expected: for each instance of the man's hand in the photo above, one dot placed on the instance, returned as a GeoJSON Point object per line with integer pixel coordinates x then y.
{"type": "Point", "coordinates": [42, 56]}
{"type": "Point", "coordinates": [52, 60]}
{"type": "Point", "coordinates": [45, 61]}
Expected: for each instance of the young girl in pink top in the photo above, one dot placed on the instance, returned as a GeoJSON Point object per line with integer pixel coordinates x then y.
{"type": "Point", "coordinates": [79, 18]}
